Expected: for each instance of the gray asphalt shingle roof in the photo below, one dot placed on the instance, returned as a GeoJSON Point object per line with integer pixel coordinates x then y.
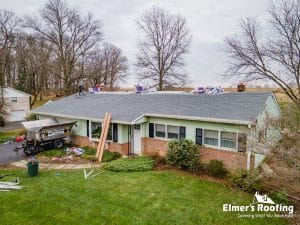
{"type": "Point", "coordinates": [126, 107]}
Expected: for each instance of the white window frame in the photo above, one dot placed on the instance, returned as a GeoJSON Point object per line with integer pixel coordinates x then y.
{"type": "Point", "coordinates": [166, 131]}
{"type": "Point", "coordinates": [178, 127]}
{"type": "Point", "coordinates": [219, 140]}
{"type": "Point", "coordinates": [97, 139]}
{"type": "Point", "coordinates": [236, 141]}
{"type": "Point", "coordinates": [211, 146]}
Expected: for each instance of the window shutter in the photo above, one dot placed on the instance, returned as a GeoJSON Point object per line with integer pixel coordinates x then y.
{"type": "Point", "coordinates": [115, 132]}
{"type": "Point", "coordinates": [151, 130]}
{"type": "Point", "coordinates": [242, 141]}
{"type": "Point", "coordinates": [88, 128]}
{"type": "Point", "coordinates": [181, 132]}
{"type": "Point", "coordinates": [199, 133]}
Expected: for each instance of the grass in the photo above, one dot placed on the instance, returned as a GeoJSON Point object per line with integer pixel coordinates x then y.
{"type": "Point", "coordinates": [121, 198]}
{"type": "Point", "coordinates": [7, 136]}
{"type": "Point", "coordinates": [56, 152]}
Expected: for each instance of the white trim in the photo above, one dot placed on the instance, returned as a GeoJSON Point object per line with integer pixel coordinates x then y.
{"type": "Point", "coordinates": [135, 121]}
{"type": "Point", "coordinates": [195, 118]}
{"type": "Point", "coordinates": [78, 117]}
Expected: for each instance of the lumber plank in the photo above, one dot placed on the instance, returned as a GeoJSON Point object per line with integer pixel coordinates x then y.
{"type": "Point", "coordinates": [104, 137]}
{"type": "Point", "coordinates": [101, 136]}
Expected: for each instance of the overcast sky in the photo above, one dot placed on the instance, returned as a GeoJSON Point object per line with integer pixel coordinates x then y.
{"type": "Point", "coordinates": [209, 20]}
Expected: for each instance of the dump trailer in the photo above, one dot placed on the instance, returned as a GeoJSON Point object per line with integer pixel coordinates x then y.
{"type": "Point", "coordinates": [46, 134]}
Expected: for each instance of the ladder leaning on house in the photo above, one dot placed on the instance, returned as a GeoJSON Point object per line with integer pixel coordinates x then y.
{"type": "Point", "coordinates": [103, 136]}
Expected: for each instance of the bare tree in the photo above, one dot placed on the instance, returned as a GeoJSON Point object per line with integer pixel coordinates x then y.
{"type": "Point", "coordinates": [108, 66]}
{"type": "Point", "coordinates": [72, 35]}
{"type": "Point", "coordinates": [273, 54]}
{"type": "Point", "coordinates": [9, 24]}
{"type": "Point", "coordinates": [32, 56]}
{"type": "Point", "coordinates": [166, 39]}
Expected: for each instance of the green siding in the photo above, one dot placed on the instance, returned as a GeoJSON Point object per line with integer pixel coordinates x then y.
{"type": "Point", "coordinates": [271, 110]}
{"type": "Point", "coordinates": [80, 128]}
{"type": "Point", "coordinates": [192, 125]}
{"type": "Point", "coordinates": [122, 133]}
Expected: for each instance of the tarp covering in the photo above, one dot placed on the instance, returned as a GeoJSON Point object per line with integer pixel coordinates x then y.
{"type": "Point", "coordinates": [37, 125]}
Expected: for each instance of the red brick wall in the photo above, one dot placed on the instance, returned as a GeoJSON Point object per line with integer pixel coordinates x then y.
{"type": "Point", "coordinates": [116, 147]}
{"type": "Point", "coordinates": [84, 141]}
{"type": "Point", "coordinates": [232, 160]}
{"type": "Point", "coordinates": [151, 146]}
{"type": "Point", "coordinates": [112, 146]}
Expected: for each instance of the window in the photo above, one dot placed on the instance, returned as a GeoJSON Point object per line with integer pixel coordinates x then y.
{"type": "Point", "coordinates": [211, 137]}
{"type": "Point", "coordinates": [172, 132]}
{"type": "Point", "coordinates": [14, 99]}
{"type": "Point", "coordinates": [110, 133]}
{"type": "Point", "coordinates": [228, 140]}
{"type": "Point", "coordinates": [96, 129]}
{"type": "Point", "coordinates": [160, 130]}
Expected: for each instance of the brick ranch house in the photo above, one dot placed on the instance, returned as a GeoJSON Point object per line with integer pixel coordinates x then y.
{"type": "Point", "coordinates": [228, 127]}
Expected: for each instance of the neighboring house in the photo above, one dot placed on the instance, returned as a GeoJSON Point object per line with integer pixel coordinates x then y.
{"type": "Point", "coordinates": [224, 125]}
{"type": "Point", "coordinates": [16, 104]}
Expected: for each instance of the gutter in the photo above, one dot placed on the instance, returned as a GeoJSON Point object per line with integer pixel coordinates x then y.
{"type": "Point", "coordinates": [135, 121]}
{"type": "Point", "coordinates": [80, 117]}
{"type": "Point", "coordinates": [243, 122]}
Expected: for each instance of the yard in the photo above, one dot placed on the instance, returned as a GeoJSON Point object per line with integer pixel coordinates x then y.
{"type": "Point", "coordinates": [6, 136]}
{"type": "Point", "coordinates": [152, 197]}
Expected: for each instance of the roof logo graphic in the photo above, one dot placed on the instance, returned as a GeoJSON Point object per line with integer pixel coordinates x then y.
{"type": "Point", "coordinates": [264, 199]}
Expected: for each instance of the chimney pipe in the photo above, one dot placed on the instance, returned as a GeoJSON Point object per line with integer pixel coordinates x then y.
{"type": "Point", "coordinates": [241, 87]}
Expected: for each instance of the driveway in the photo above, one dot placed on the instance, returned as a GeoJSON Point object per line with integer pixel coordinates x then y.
{"type": "Point", "coordinates": [7, 154]}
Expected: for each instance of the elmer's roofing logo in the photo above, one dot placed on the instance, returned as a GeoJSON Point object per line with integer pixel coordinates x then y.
{"type": "Point", "coordinates": [261, 203]}
{"type": "Point", "coordinates": [264, 199]}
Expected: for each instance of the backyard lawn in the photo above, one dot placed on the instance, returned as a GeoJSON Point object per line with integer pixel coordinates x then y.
{"type": "Point", "coordinates": [153, 197]}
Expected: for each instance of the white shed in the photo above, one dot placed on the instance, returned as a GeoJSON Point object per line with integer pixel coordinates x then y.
{"type": "Point", "coordinates": [17, 104]}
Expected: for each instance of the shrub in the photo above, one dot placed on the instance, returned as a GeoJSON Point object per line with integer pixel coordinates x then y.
{"type": "Point", "coordinates": [130, 164]}
{"type": "Point", "coordinates": [183, 154]}
{"type": "Point", "coordinates": [279, 197]}
{"type": "Point", "coordinates": [159, 160]}
{"type": "Point", "coordinates": [245, 180]}
{"type": "Point", "coordinates": [89, 151]}
{"type": "Point", "coordinates": [109, 156]}
{"type": "Point", "coordinates": [31, 117]}
{"type": "Point", "coordinates": [217, 169]}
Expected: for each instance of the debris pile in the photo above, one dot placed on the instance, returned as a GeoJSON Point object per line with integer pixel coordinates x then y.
{"type": "Point", "coordinates": [9, 185]}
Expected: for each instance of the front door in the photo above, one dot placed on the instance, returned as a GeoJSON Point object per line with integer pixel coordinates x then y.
{"type": "Point", "coordinates": [137, 139]}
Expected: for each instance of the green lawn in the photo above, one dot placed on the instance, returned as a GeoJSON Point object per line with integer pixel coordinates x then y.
{"type": "Point", "coordinates": [6, 136]}
{"type": "Point", "coordinates": [121, 198]}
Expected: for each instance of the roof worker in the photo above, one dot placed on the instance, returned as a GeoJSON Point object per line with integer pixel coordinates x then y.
{"type": "Point", "coordinates": [80, 84]}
